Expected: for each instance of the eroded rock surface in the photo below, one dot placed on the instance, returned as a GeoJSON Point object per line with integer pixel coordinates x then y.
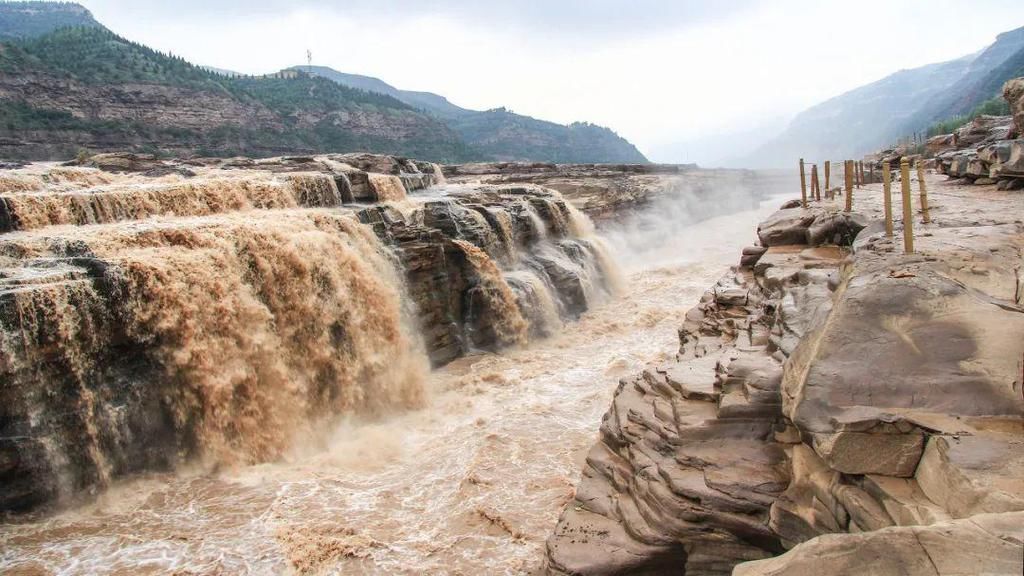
{"type": "Point", "coordinates": [860, 407]}
{"type": "Point", "coordinates": [616, 191]}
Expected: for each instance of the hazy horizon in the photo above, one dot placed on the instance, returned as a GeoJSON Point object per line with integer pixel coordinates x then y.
{"type": "Point", "coordinates": [698, 74]}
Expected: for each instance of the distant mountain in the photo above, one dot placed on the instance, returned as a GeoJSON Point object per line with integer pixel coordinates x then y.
{"type": "Point", "coordinates": [906, 102]}
{"type": "Point", "coordinates": [67, 83]}
{"type": "Point", "coordinates": [434, 103]}
{"type": "Point", "coordinates": [85, 87]}
{"type": "Point", "coordinates": [983, 79]}
{"type": "Point", "coordinates": [32, 19]}
{"type": "Point", "coordinates": [500, 134]}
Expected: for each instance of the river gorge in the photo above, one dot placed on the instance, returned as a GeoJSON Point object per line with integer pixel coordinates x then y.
{"type": "Point", "coordinates": [241, 354]}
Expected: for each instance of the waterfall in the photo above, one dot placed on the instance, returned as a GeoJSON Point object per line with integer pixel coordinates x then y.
{"type": "Point", "coordinates": [492, 304]}
{"type": "Point", "coordinates": [387, 187]}
{"type": "Point", "coordinates": [246, 332]}
{"type": "Point", "coordinates": [222, 315]}
{"type": "Point", "coordinates": [536, 297]}
{"type": "Point", "coordinates": [179, 196]}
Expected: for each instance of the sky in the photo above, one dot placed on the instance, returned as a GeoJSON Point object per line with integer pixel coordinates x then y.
{"type": "Point", "coordinates": [667, 75]}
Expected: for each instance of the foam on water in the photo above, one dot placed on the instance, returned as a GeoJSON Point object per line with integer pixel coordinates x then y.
{"type": "Point", "coordinates": [472, 483]}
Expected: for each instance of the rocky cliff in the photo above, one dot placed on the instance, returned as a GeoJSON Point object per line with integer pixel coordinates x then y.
{"type": "Point", "coordinates": [159, 312]}
{"type": "Point", "coordinates": [833, 397]}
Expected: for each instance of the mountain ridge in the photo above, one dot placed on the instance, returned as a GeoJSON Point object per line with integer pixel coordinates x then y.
{"type": "Point", "coordinates": [905, 102]}
{"type": "Point", "coordinates": [500, 133]}
{"type": "Point", "coordinates": [68, 83]}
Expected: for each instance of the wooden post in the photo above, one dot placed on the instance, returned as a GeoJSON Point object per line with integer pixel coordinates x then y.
{"type": "Point", "coordinates": [828, 175]}
{"type": "Point", "coordinates": [887, 193]}
{"type": "Point", "coordinates": [848, 173]}
{"type": "Point", "coordinates": [803, 185]}
{"type": "Point", "coordinates": [815, 183]}
{"type": "Point", "coordinates": [924, 193]}
{"type": "Point", "coordinates": [908, 216]}
{"type": "Point", "coordinates": [871, 173]}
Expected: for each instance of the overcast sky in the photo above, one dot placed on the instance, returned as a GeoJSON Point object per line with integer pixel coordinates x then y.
{"type": "Point", "coordinates": [657, 72]}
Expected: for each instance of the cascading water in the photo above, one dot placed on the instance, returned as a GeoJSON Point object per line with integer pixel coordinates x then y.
{"type": "Point", "coordinates": [524, 246]}
{"type": "Point", "coordinates": [492, 302]}
{"type": "Point", "coordinates": [225, 337]}
{"type": "Point", "coordinates": [135, 200]}
{"type": "Point", "coordinates": [225, 316]}
{"type": "Point", "coordinates": [387, 188]}
{"type": "Point", "coordinates": [221, 318]}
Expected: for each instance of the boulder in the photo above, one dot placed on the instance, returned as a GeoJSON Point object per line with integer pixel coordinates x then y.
{"type": "Point", "coordinates": [940, 143]}
{"type": "Point", "coordinates": [983, 129]}
{"type": "Point", "coordinates": [787, 226]}
{"type": "Point", "coordinates": [1013, 165]}
{"type": "Point", "coordinates": [839, 228]}
{"type": "Point", "coordinates": [1013, 91]}
{"type": "Point", "coordinates": [125, 162]}
{"type": "Point", "coordinates": [984, 544]}
{"type": "Point", "coordinates": [751, 254]}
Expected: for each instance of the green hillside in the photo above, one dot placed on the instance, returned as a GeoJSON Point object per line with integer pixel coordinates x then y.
{"type": "Point", "coordinates": [83, 79]}
{"type": "Point", "coordinates": [501, 134]}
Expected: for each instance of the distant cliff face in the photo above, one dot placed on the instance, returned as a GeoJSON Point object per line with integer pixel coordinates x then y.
{"type": "Point", "coordinates": [909, 101]}
{"type": "Point", "coordinates": [502, 135]}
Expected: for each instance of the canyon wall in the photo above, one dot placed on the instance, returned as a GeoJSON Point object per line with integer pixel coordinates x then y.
{"type": "Point", "coordinates": [832, 397]}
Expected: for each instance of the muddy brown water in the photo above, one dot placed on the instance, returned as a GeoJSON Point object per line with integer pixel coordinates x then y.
{"type": "Point", "coordinates": [470, 484]}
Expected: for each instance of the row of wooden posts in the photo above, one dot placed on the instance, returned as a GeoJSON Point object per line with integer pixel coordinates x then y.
{"type": "Point", "coordinates": [855, 176]}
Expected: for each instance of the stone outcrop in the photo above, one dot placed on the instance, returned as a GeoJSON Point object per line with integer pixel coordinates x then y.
{"type": "Point", "coordinates": [602, 191]}
{"type": "Point", "coordinates": [857, 409]}
{"type": "Point", "coordinates": [987, 543]}
{"type": "Point", "coordinates": [1013, 92]}
{"type": "Point", "coordinates": [607, 192]}
{"type": "Point", "coordinates": [988, 149]}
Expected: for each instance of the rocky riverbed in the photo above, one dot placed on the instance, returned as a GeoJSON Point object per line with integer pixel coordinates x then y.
{"type": "Point", "coordinates": [239, 352]}
{"type": "Point", "coordinates": [833, 397]}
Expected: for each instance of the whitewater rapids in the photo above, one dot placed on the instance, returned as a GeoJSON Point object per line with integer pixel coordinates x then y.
{"type": "Point", "coordinates": [471, 484]}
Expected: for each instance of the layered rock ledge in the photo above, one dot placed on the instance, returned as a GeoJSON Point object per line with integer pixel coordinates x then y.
{"type": "Point", "coordinates": [615, 191]}
{"type": "Point", "coordinates": [835, 406]}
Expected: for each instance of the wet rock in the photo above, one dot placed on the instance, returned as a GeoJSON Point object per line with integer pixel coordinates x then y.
{"type": "Point", "coordinates": [127, 162]}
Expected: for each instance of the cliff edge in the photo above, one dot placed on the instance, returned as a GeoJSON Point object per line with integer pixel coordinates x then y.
{"type": "Point", "coordinates": [835, 403]}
